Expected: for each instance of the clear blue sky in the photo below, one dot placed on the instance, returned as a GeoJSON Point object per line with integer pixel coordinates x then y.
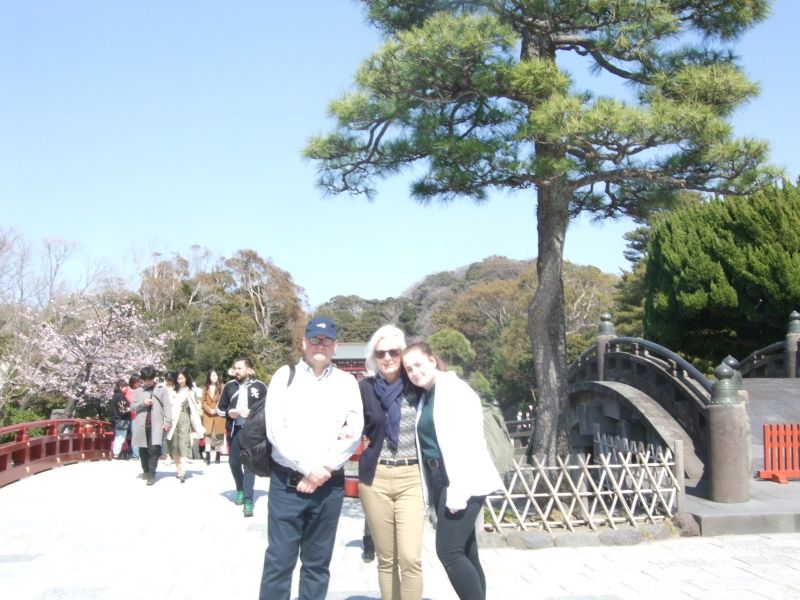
{"type": "Point", "coordinates": [149, 126]}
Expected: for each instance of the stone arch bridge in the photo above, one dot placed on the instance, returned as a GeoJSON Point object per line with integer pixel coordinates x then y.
{"type": "Point", "coordinates": [645, 393]}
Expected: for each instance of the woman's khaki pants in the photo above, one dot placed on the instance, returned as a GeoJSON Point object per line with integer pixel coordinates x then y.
{"type": "Point", "coordinates": [395, 511]}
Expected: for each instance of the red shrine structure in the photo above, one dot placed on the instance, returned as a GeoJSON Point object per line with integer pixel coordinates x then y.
{"type": "Point", "coordinates": [350, 357]}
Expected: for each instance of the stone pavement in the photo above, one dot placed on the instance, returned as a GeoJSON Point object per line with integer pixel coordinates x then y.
{"type": "Point", "coordinates": [95, 531]}
{"type": "Point", "coordinates": [772, 508]}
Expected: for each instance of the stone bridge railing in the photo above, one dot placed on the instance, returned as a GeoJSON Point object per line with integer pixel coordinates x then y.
{"type": "Point", "coordinates": [778, 359]}
{"type": "Point", "coordinates": [677, 385]}
{"type": "Point", "coordinates": [657, 385]}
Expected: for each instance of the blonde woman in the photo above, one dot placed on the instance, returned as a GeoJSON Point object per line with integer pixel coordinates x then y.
{"type": "Point", "coordinates": [390, 483]}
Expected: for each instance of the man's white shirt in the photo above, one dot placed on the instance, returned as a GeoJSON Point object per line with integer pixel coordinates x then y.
{"type": "Point", "coordinates": [304, 419]}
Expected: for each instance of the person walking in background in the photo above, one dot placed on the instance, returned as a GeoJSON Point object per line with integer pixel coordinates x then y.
{"type": "Point", "coordinates": [134, 382]}
{"type": "Point", "coordinates": [153, 419]}
{"type": "Point", "coordinates": [120, 416]}
{"type": "Point", "coordinates": [304, 421]}
{"type": "Point", "coordinates": [390, 483]}
{"type": "Point", "coordinates": [457, 467]}
{"type": "Point", "coordinates": [197, 439]}
{"type": "Point", "coordinates": [170, 385]}
{"type": "Point", "coordinates": [367, 544]}
{"type": "Point", "coordinates": [212, 422]}
{"type": "Point", "coordinates": [185, 417]}
{"type": "Point", "coordinates": [234, 403]}
{"type": "Point", "coordinates": [170, 381]}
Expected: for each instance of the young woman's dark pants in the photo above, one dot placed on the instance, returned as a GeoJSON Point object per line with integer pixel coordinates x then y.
{"type": "Point", "coordinates": [456, 544]}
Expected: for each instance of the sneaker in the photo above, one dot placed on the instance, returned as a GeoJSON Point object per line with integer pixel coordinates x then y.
{"type": "Point", "coordinates": [248, 508]}
{"type": "Point", "coordinates": [239, 498]}
{"type": "Point", "coordinates": [151, 479]}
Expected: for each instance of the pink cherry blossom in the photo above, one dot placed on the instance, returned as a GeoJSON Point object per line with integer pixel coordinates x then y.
{"type": "Point", "coordinates": [86, 351]}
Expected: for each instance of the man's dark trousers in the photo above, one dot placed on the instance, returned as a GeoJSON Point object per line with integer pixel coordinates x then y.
{"type": "Point", "coordinates": [304, 525]}
{"type": "Point", "coordinates": [149, 455]}
{"type": "Point", "coordinates": [243, 478]}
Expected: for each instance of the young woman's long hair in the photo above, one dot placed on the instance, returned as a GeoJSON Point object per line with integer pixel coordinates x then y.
{"type": "Point", "coordinates": [185, 372]}
{"type": "Point", "coordinates": [208, 378]}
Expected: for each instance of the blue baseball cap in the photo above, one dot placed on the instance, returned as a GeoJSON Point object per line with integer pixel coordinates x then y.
{"type": "Point", "coordinates": [321, 327]}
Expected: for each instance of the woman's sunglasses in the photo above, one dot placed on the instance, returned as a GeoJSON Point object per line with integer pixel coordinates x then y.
{"type": "Point", "coordinates": [394, 353]}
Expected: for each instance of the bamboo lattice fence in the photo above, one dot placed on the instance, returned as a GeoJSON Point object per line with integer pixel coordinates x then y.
{"type": "Point", "coordinates": [631, 487]}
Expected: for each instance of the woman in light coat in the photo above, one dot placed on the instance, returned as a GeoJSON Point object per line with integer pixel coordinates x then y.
{"type": "Point", "coordinates": [185, 417]}
{"type": "Point", "coordinates": [457, 468]}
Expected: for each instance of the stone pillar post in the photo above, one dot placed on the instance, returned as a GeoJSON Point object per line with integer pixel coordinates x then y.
{"type": "Point", "coordinates": [728, 440]}
{"type": "Point", "coordinates": [792, 338]}
{"type": "Point", "coordinates": [737, 379]}
{"type": "Point", "coordinates": [605, 332]}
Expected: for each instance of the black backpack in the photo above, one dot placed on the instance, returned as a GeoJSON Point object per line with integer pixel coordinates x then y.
{"type": "Point", "coordinates": [255, 451]}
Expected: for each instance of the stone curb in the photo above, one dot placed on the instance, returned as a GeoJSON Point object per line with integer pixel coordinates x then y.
{"type": "Point", "coordinates": [535, 540]}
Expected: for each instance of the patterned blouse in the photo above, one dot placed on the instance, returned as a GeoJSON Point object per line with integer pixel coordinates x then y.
{"type": "Point", "coordinates": [407, 439]}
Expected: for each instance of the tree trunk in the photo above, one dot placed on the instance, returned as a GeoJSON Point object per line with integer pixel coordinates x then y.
{"type": "Point", "coordinates": [546, 320]}
{"type": "Point", "coordinates": [546, 313]}
{"type": "Point", "coordinates": [69, 409]}
{"type": "Point", "coordinates": [72, 403]}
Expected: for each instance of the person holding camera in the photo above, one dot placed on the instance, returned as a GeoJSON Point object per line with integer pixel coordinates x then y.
{"type": "Point", "coordinates": [234, 404]}
{"type": "Point", "coordinates": [120, 417]}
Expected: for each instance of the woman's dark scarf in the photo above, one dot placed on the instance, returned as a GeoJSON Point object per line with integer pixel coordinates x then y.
{"type": "Point", "coordinates": [390, 395]}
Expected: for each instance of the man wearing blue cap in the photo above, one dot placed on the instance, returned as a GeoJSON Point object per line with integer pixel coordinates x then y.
{"type": "Point", "coordinates": [304, 418]}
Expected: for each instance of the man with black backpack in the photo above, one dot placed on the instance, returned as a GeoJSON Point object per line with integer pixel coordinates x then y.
{"type": "Point", "coordinates": [304, 420]}
{"type": "Point", "coordinates": [234, 404]}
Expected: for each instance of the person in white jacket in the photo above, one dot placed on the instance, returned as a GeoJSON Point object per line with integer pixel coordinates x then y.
{"type": "Point", "coordinates": [457, 467]}
{"type": "Point", "coordinates": [185, 417]}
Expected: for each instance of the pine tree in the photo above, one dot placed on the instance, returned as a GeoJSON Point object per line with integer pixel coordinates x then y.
{"type": "Point", "coordinates": [469, 97]}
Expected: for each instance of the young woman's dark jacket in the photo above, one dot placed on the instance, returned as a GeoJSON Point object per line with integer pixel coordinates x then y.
{"type": "Point", "coordinates": [375, 424]}
{"type": "Point", "coordinates": [120, 410]}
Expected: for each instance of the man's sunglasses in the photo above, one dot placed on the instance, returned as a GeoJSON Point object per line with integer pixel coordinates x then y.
{"type": "Point", "coordinates": [320, 341]}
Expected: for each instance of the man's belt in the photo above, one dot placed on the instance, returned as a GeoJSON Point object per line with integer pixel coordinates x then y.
{"type": "Point", "coordinates": [279, 467]}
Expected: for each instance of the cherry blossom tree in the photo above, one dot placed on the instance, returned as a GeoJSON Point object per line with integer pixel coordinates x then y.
{"type": "Point", "coordinates": [82, 356]}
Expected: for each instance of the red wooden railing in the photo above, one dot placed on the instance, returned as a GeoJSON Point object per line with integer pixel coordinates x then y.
{"type": "Point", "coordinates": [25, 451]}
{"type": "Point", "coordinates": [781, 452]}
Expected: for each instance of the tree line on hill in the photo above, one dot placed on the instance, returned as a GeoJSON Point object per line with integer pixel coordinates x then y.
{"type": "Point", "coordinates": [707, 279]}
